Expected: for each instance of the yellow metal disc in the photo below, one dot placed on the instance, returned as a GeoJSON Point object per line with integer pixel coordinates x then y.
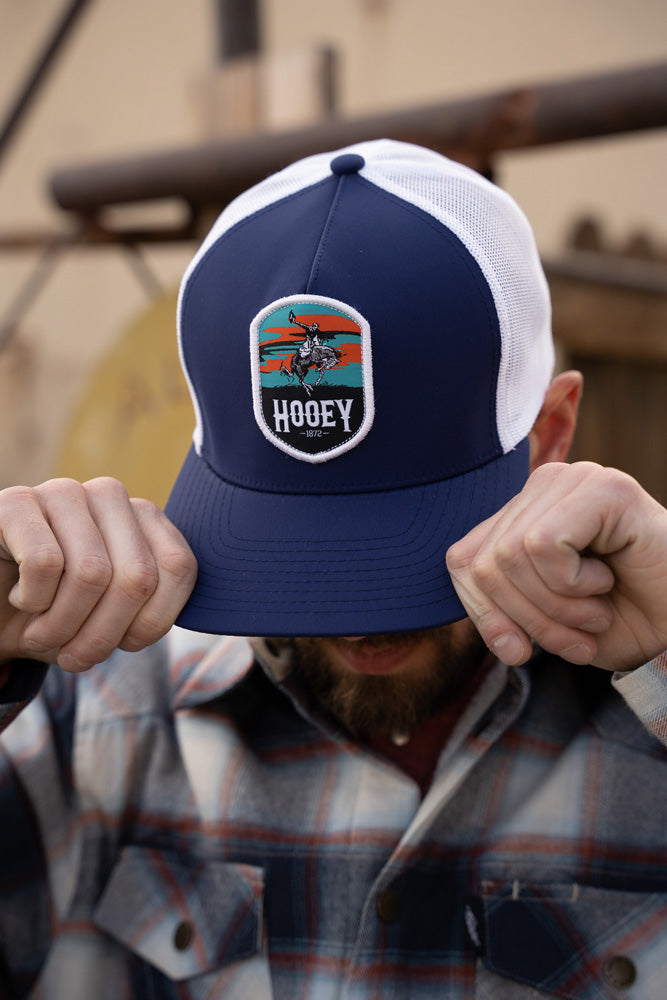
{"type": "Point", "coordinates": [134, 420]}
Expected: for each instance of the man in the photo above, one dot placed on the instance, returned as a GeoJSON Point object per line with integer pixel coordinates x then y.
{"type": "Point", "coordinates": [421, 785]}
{"type": "Point", "coordinates": [310, 354]}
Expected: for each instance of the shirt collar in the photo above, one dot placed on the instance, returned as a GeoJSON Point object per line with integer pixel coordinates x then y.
{"type": "Point", "coordinates": [274, 656]}
{"type": "Point", "coordinates": [204, 667]}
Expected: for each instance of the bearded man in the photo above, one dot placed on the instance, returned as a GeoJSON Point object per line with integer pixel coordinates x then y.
{"type": "Point", "coordinates": [442, 771]}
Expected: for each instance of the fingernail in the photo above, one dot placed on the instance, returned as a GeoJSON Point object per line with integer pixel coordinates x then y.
{"type": "Point", "coordinates": [509, 649]}
{"type": "Point", "coordinates": [578, 653]}
{"type": "Point", "coordinates": [35, 647]}
{"type": "Point", "coordinates": [71, 664]}
{"type": "Point", "coordinates": [131, 645]}
{"type": "Point", "coordinates": [597, 625]}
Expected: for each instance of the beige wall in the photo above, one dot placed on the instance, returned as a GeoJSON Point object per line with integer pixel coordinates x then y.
{"type": "Point", "coordinates": [406, 52]}
{"type": "Point", "coordinates": [128, 82]}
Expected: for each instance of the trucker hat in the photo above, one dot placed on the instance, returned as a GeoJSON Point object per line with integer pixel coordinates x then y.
{"type": "Point", "coordinates": [366, 339]}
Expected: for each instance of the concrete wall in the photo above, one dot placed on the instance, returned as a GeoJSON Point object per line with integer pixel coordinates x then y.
{"type": "Point", "coordinates": [130, 80]}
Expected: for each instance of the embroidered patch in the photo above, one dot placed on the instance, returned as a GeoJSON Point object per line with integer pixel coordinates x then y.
{"type": "Point", "coordinates": [311, 376]}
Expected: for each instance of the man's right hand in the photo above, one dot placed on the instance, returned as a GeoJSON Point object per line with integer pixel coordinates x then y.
{"type": "Point", "coordinates": [84, 569]}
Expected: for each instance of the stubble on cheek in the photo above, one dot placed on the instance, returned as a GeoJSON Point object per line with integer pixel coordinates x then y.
{"type": "Point", "coordinates": [444, 661]}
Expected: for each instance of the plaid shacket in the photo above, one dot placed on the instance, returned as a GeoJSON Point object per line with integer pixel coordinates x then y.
{"type": "Point", "coordinates": [179, 824]}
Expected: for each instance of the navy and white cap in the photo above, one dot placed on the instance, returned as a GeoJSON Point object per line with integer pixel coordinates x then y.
{"type": "Point", "coordinates": [366, 338]}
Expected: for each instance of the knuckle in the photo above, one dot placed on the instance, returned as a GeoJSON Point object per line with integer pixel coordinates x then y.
{"type": "Point", "coordinates": [457, 557]}
{"type": "Point", "coordinates": [94, 571]}
{"type": "Point", "coordinates": [565, 584]}
{"type": "Point", "coordinates": [180, 564]}
{"type": "Point", "coordinates": [608, 478]}
{"type": "Point", "coordinates": [88, 651]}
{"type": "Point", "coordinates": [16, 495]}
{"type": "Point", "coordinates": [145, 630]}
{"type": "Point", "coordinates": [537, 542]}
{"type": "Point", "coordinates": [545, 474]}
{"type": "Point", "coordinates": [61, 488]}
{"type": "Point", "coordinates": [489, 623]}
{"type": "Point", "coordinates": [625, 487]}
{"type": "Point", "coordinates": [173, 554]}
{"type": "Point", "coordinates": [145, 507]}
{"type": "Point", "coordinates": [49, 636]}
{"type": "Point", "coordinates": [46, 560]}
{"type": "Point", "coordinates": [508, 554]}
{"type": "Point", "coordinates": [105, 487]}
{"type": "Point", "coordinates": [47, 631]}
{"type": "Point", "coordinates": [483, 570]}
{"type": "Point", "coordinates": [138, 580]}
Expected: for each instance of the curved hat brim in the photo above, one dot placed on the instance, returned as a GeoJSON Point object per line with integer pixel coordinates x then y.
{"type": "Point", "coordinates": [279, 564]}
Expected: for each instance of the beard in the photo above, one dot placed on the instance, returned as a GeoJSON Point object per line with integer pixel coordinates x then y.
{"type": "Point", "coordinates": [386, 704]}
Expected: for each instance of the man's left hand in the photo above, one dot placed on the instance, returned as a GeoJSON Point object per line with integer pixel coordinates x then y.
{"type": "Point", "coordinates": [576, 562]}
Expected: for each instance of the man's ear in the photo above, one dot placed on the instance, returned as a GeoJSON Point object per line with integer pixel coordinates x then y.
{"type": "Point", "coordinates": [553, 430]}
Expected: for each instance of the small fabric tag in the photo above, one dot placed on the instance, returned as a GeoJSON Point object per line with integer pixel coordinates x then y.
{"type": "Point", "coordinates": [473, 916]}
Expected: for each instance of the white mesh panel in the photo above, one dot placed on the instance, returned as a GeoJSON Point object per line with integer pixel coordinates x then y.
{"type": "Point", "coordinates": [489, 224]}
{"type": "Point", "coordinates": [496, 232]}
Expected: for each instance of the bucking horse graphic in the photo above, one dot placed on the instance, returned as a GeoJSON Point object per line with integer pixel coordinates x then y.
{"type": "Point", "coordinates": [311, 354]}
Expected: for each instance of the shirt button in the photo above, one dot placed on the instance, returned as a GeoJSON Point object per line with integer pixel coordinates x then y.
{"type": "Point", "coordinates": [620, 972]}
{"type": "Point", "coordinates": [388, 905]}
{"type": "Point", "coordinates": [183, 935]}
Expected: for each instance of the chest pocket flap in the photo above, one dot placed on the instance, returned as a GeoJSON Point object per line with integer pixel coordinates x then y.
{"type": "Point", "coordinates": [572, 941]}
{"type": "Point", "coordinates": [185, 918]}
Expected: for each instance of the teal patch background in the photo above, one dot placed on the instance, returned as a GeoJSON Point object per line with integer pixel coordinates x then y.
{"type": "Point", "coordinates": [348, 371]}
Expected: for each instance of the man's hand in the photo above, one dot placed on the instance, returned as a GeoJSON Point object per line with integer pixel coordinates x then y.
{"type": "Point", "coordinates": [84, 569]}
{"type": "Point", "coordinates": [576, 562]}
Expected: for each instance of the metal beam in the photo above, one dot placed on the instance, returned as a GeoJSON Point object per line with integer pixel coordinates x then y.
{"type": "Point", "coordinates": [471, 129]}
{"type": "Point", "coordinates": [40, 70]}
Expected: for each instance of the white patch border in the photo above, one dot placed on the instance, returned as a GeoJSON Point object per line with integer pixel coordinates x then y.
{"type": "Point", "coordinates": [366, 367]}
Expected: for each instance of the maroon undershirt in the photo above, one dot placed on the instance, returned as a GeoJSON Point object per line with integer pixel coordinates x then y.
{"type": "Point", "coordinates": [418, 757]}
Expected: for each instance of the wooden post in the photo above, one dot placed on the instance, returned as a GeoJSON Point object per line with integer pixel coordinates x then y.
{"type": "Point", "coordinates": [267, 93]}
{"type": "Point", "coordinates": [610, 322]}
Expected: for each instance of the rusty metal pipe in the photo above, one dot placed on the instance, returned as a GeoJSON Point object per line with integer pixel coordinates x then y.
{"type": "Point", "coordinates": [471, 129]}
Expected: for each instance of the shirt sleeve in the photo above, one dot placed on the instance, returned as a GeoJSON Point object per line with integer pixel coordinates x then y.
{"type": "Point", "coordinates": [645, 692]}
{"type": "Point", "coordinates": [38, 832]}
{"type": "Point", "coordinates": [18, 686]}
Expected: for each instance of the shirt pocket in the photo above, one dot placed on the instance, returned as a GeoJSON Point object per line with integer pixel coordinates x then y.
{"type": "Point", "coordinates": [568, 941]}
{"type": "Point", "coordinates": [185, 918]}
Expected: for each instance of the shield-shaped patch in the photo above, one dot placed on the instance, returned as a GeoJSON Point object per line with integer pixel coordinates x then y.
{"type": "Point", "coordinates": [311, 376]}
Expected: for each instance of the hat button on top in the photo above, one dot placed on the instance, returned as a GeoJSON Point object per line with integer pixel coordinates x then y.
{"type": "Point", "coordinates": [347, 163]}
